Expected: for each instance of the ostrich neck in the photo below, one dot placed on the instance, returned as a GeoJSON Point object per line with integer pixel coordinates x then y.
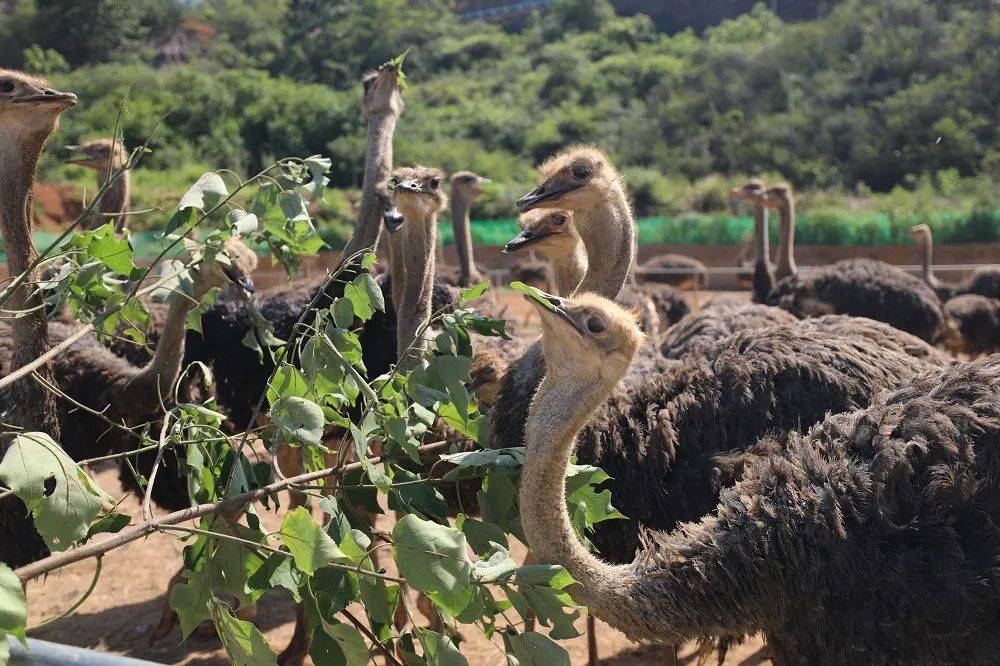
{"type": "Point", "coordinates": [763, 276]}
{"type": "Point", "coordinates": [608, 232]}
{"type": "Point", "coordinates": [116, 199]}
{"type": "Point", "coordinates": [34, 407]}
{"type": "Point", "coordinates": [460, 207]}
{"type": "Point", "coordinates": [786, 246]}
{"type": "Point", "coordinates": [155, 381]}
{"type": "Point", "coordinates": [569, 269]}
{"type": "Point", "coordinates": [558, 412]}
{"type": "Point", "coordinates": [928, 247]}
{"type": "Point", "coordinates": [414, 308]}
{"type": "Point", "coordinates": [378, 164]}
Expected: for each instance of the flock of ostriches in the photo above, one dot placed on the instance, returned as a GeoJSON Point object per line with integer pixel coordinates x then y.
{"type": "Point", "coordinates": [813, 466]}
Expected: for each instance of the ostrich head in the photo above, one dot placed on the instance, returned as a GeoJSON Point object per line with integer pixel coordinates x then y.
{"type": "Point", "coordinates": [588, 338]}
{"type": "Point", "coordinates": [391, 217]}
{"type": "Point", "coordinates": [233, 265]}
{"type": "Point", "coordinates": [920, 233]}
{"type": "Point", "coordinates": [551, 231]}
{"type": "Point", "coordinates": [381, 92]}
{"type": "Point", "coordinates": [28, 106]}
{"type": "Point", "coordinates": [487, 373]}
{"type": "Point", "coordinates": [99, 154]}
{"type": "Point", "coordinates": [778, 196]}
{"type": "Point", "coordinates": [752, 191]}
{"type": "Point", "coordinates": [577, 179]}
{"type": "Point", "coordinates": [466, 185]}
{"type": "Point", "coordinates": [417, 191]}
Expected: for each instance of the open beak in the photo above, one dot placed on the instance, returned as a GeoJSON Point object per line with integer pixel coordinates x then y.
{"type": "Point", "coordinates": [524, 239]}
{"type": "Point", "coordinates": [243, 281]}
{"type": "Point", "coordinates": [545, 192]}
{"type": "Point", "coordinates": [558, 310]}
{"type": "Point", "coordinates": [392, 219]}
{"type": "Point", "coordinates": [48, 97]}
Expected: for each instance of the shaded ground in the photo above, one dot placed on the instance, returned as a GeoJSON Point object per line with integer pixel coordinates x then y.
{"type": "Point", "coordinates": [130, 595]}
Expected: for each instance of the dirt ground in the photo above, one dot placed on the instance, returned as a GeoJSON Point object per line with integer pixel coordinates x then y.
{"type": "Point", "coordinates": [131, 593]}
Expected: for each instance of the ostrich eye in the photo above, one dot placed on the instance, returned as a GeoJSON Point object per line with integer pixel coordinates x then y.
{"type": "Point", "coordinates": [594, 324]}
{"type": "Point", "coordinates": [434, 183]}
{"type": "Point", "coordinates": [558, 220]}
{"type": "Point", "coordinates": [6, 86]}
{"type": "Point", "coordinates": [581, 172]}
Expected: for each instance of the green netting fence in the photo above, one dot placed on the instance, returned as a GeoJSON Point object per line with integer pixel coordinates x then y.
{"type": "Point", "coordinates": [824, 228]}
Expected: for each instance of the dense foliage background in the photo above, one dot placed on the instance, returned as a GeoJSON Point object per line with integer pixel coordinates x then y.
{"type": "Point", "coordinates": [876, 107]}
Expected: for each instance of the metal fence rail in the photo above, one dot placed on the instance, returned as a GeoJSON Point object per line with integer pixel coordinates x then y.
{"type": "Point", "coordinates": [44, 653]}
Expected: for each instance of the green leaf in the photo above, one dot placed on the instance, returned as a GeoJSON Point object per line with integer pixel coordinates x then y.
{"type": "Point", "coordinates": [190, 601]}
{"type": "Point", "coordinates": [586, 505]}
{"type": "Point", "coordinates": [433, 559]}
{"type": "Point", "coordinates": [540, 588]}
{"type": "Point", "coordinates": [533, 293]}
{"type": "Point", "coordinates": [334, 590]}
{"type": "Point", "coordinates": [173, 278]}
{"type": "Point", "coordinates": [276, 571]}
{"type": "Point", "coordinates": [365, 296]}
{"type": "Point", "coordinates": [300, 418]}
{"type": "Point", "coordinates": [59, 494]}
{"type": "Point", "coordinates": [111, 523]}
{"type": "Point", "coordinates": [481, 535]}
{"type": "Point", "coordinates": [13, 607]}
{"type": "Point", "coordinates": [242, 223]}
{"type": "Point", "coordinates": [474, 292]}
{"type": "Point", "coordinates": [350, 641]}
{"type": "Point", "coordinates": [311, 547]}
{"type": "Point", "coordinates": [498, 566]}
{"type": "Point", "coordinates": [205, 194]}
{"type": "Point", "coordinates": [440, 650]}
{"type": "Point", "coordinates": [343, 313]}
{"type": "Point", "coordinates": [244, 643]}
{"type": "Point", "coordinates": [535, 649]}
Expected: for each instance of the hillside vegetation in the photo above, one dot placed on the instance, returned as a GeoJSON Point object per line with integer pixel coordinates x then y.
{"type": "Point", "coordinates": [877, 107]}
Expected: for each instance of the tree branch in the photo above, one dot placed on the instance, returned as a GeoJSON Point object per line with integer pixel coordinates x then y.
{"type": "Point", "coordinates": [126, 536]}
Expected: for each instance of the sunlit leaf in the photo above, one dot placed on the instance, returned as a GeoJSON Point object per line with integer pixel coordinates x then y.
{"type": "Point", "coordinates": [311, 547]}
{"type": "Point", "coordinates": [244, 643]}
{"type": "Point", "coordinates": [433, 559]}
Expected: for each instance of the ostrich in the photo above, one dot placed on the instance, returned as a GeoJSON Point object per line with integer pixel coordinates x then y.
{"type": "Point", "coordinates": [715, 323]}
{"type": "Point", "coordinates": [881, 512]}
{"type": "Point", "coordinates": [486, 371]}
{"type": "Point", "coordinates": [859, 287]}
{"type": "Point", "coordinates": [744, 260]}
{"type": "Point", "coordinates": [418, 195]}
{"type": "Point", "coordinates": [126, 394]}
{"type": "Point", "coordinates": [763, 274]}
{"type": "Point", "coordinates": [107, 157]}
{"type": "Point", "coordinates": [680, 271]}
{"type": "Point", "coordinates": [466, 187]}
{"type": "Point", "coordinates": [554, 234]}
{"type": "Point", "coordinates": [973, 324]}
{"type": "Point", "coordinates": [984, 281]}
{"type": "Point", "coordinates": [29, 114]}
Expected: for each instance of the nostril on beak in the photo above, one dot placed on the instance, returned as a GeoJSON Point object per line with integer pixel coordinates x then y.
{"type": "Point", "coordinates": [555, 301]}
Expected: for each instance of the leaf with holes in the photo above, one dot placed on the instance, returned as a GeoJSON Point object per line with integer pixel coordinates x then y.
{"type": "Point", "coordinates": [60, 495]}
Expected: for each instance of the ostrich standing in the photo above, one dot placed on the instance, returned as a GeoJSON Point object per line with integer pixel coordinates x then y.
{"type": "Point", "coordinates": [763, 274]}
{"type": "Point", "coordinates": [29, 114]}
{"type": "Point", "coordinates": [107, 157]}
{"type": "Point", "coordinates": [466, 187]}
{"type": "Point", "coordinates": [858, 287]}
{"type": "Point", "coordinates": [882, 512]}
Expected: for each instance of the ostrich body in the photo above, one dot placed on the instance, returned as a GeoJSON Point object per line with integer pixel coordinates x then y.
{"type": "Point", "coordinates": [29, 114]}
{"type": "Point", "coordinates": [858, 287]}
{"type": "Point", "coordinates": [680, 271]}
{"type": "Point", "coordinates": [763, 274]}
{"type": "Point", "coordinates": [466, 187]}
{"type": "Point", "coordinates": [107, 157]}
{"type": "Point", "coordinates": [715, 323]}
{"type": "Point", "coordinates": [876, 512]}
{"type": "Point", "coordinates": [984, 281]}
{"type": "Point", "coordinates": [974, 324]}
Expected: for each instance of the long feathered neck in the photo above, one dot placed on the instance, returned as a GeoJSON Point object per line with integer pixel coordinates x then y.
{"type": "Point", "coordinates": [378, 165]}
{"type": "Point", "coordinates": [461, 204]}
{"type": "Point", "coordinates": [608, 232]}
{"type": "Point", "coordinates": [927, 271]}
{"type": "Point", "coordinates": [763, 275]}
{"type": "Point", "coordinates": [34, 407]}
{"type": "Point", "coordinates": [786, 244]}
{"type": "Point", "coordinates": [156, 380]}
{"type": "Point", "coordinates": [569, 268]}
{"type": "Point", "coordinates": [117, 199]}
{"type": "Point", "coordinates": [414, 306]}
{"type": "Point", "coordinates": [558, 412]}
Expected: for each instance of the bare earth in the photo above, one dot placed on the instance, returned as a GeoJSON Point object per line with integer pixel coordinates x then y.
{"type": "Point", "coordinates": [130, 595]}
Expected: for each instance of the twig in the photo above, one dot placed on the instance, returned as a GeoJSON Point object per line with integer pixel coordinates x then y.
{"type": "Point", "coordinates": [363, 629]}
{"type": "Point", "coordinates": [147, 511]}
{"type": "Point", "coordinates": [60, 560]}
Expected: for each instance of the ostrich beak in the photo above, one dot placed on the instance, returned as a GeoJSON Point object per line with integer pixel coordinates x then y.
{"type": "Point", "coordinates": [48, 97]}
{"type": "Point", "coordinates": [547, 191]}
{"type": "Point", "coordinates": [557, 310]}
{"type": "Point", "coordinates": [524, 239]}
{"type": "Point", "coordinates": [392, 219]}
{"type": "Point", "coordinates": [243, 281]}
